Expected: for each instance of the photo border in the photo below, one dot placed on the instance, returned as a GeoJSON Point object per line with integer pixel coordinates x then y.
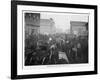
{"type": "Point", "coordinates": [14, 4]}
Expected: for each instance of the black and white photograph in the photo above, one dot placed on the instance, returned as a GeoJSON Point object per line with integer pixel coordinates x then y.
{"type": "Point", "coordinates": [55, 38]}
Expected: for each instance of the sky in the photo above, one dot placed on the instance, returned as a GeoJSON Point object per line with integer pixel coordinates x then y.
{"type": "Point", "coordinates": [62, 20]}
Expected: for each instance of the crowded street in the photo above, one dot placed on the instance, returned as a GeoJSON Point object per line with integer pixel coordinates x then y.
{"type": "Point", "coordinates": [53, 49]}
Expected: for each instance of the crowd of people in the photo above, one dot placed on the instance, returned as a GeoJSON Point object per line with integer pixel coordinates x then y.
{"type": "Point", "coordinates": [42, 49]}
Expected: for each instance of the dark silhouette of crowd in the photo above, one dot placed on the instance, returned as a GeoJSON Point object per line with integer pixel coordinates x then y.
{"type": "Point", "coordinates": [42, 49]}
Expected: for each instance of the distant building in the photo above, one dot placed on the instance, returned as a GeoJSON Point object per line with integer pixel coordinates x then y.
{"type": "Point", "coordinates": [47, 26]}
{"type": "Point", "coordinates": [35, 25]}
{"type": "Point", "coordinates": [79, 28]}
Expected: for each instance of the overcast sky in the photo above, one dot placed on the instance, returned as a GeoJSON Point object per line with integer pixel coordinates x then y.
{"type": "Point", "coordinates": [62, 20]}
